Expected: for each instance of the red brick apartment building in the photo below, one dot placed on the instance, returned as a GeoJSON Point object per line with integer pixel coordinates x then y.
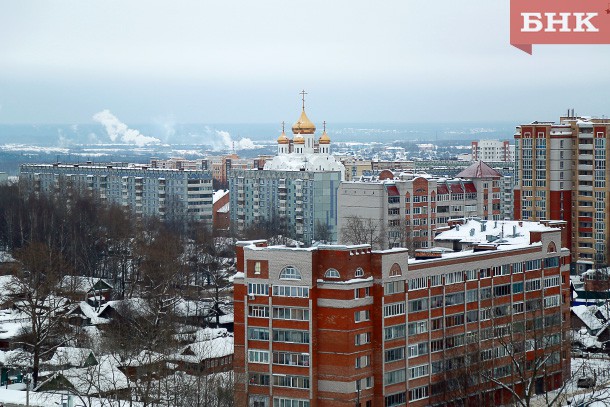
{"type": "Point", "coordinates": [347, 326]}
{"type": "Point", "coordinates": [561, 173]}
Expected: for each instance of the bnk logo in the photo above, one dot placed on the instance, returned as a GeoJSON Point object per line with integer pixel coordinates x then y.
{"type": "Point", "coordinates": [559, 22]}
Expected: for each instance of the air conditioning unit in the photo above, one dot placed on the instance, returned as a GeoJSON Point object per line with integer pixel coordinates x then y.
{"type": "Point", "coordinates": [252, 296]}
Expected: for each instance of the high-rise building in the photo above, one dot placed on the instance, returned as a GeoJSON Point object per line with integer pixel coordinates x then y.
{"type": "Point", "coordinates": [561, 173]}
{"type": "Point", "coordinates": [296, 190]}
{"type": "Point", "coordinates": [166, 193]}
{"type": "Point", "coordinates": [344, 326]}
{"type": "Point", "coordinates": [410, 210]}
{"type": "Point", "coordinates": [492, 151]}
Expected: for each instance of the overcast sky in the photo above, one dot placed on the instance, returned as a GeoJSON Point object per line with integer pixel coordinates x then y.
{"type": "Point", "coordinates": [246, 61]}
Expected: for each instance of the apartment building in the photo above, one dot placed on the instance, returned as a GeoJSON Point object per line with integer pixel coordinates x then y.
{"type": "Point", "coordinates": [333, 326]}
{"type": "Point", "coordinates": [220, 166]}
{"type": "Point", "coordinates": [493, 151]}
{"type": "Point", "coordinates": [410, 210]}
{"type": "Point", "coordinates": [166, 193]}
{"type": "Point", "coordinates": [295, 190]}
{"type": "Point", "coordinates": [561, 173]}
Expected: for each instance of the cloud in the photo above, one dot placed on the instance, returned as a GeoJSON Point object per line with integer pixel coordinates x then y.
{"type": "Point", "coordinates": [119, 130]}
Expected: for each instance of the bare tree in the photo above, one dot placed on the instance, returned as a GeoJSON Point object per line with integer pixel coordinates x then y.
{"type": "Point", "coordinates": [358, 230]}
{"type": "Point", "coordinates": [36, 285]}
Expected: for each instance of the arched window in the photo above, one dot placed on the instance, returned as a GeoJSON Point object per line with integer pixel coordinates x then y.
{"type": "Point", "coordinates": [290, 273]}
{"type": "Point", "coordinates": [551, 248]}
{"type": "Point", "coordinates": [359, 272]}
{"type": "Point", "coordinates": [395, 270]}
{"type": "Point", "coordinates": [332, 273]}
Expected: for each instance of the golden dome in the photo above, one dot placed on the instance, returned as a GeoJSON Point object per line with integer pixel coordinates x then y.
{"type": "Point", "coordinates": [282, 139]}
{"type": "Point", "coordinates": [303, 125]}
{"type": "Point", "coordinates": [324, 139]}
{"type": "Point", "coordinates": [298, 139]}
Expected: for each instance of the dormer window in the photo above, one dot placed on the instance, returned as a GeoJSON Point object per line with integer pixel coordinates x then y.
{"type": "Point", "coordinates": [359, 272]}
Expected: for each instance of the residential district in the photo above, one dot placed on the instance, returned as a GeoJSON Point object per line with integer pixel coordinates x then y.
{"type": "Point", "coordinates": [330, 280]}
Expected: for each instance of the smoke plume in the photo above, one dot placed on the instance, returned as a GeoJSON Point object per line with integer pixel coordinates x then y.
{"type": "Point", "coordinates": [119, 130]}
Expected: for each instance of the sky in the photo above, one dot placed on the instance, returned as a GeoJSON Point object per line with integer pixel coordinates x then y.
{"type": "Point", "coordinates": [200, 61]}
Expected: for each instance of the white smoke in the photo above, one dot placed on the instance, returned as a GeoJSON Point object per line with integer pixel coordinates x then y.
{"type": "Point", "coordinates": [115, 129]}
{"type": "Point", "coordinates": [226, 142]}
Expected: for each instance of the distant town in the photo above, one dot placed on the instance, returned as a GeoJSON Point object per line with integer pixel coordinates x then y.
{"type": "Point", "coordinates": [308, 272]}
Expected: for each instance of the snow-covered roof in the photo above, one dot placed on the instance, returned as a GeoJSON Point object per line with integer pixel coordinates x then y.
{"type": "Point", "coordinates": [80, 284]}
{"type": "Point", "coordinates": [101, 378]}
{"type": "Point", "coordinates": [225, 208]}
{"type": "Point", "coordinates": [75, 357]}
{"type": "Point", "coordinates": [6, 257]}
{"type": "Point", "coordinates": [587, 315]}
{"type": "Point", "coordinates": [504, 232]}
{"type": "Point", "coordinates": [219, 194]}
{"type": "Point", "coordinates": [89, 312]}
{"type": "Point", "coordinates": [304, 162]}
{"type": "Point", "coordinates": [209, 349]}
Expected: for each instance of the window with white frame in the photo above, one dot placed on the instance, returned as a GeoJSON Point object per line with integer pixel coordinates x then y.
{"type": "Point", "coordinates": [290, 273]}
{"type": "Point", "coordinates": [332, 273]}
{"type": "Point", "coordinates": [258, 356]}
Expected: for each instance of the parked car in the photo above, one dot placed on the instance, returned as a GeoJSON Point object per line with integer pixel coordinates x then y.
{"type": "Point", "coordinates": [586, 382]}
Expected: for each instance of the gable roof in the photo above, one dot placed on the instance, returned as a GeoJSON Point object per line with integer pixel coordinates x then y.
{"type": "Point", "coordinates": [479, 169]}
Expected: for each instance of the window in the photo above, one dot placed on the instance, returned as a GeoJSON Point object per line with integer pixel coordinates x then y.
{"type": "Point", "coordinates": [418, 393]}
{"type": "Point", "coordinates": [331, 273]}
{"type": "Point", "coordinates": [298, 382]}
{"type": "Point", "coordinates": [363, 338]}
{"type": "Point", "coordinates": [291, 336]}
{"type": "Point", "coordinates": [290, 273]}
{"type": "Point", "coordinates": [258, 311]}
{"type": "Point", "coordinates": [257, 267]}
{"type": "Point", "coordinates": [258, 289]}
{"type": "Point", "coordinates": [532, 285]}
{"type": "Point", "coordinates": [472, 295]}
{"type": "Point", "coordinates": [392, 355]}
{"type": "Point", "coordinates": [359, 272]}
{"type": "Point", "coordinates": [290, 291]}
{"type": "Point", "coordinates": [397, 308]}
{"type": "Point", "coordinates": [502, 290]}
{"type": "Point", "coordinates": [418, 305]}
{"type": "Point", "coordinates": [362, 361]}
{"type": "Point", "coordinates": [295, 314]}
{"type": "Point", "coordinates": [471, 275]}
{"type": "Point", "coordinates": [282, 402]}
{"type": "Point", "coordinates": [518, 308]}
{"type": "Point", "coordinates": [454, 299]}
{"type": "Point", "coordinates": [290, 359]}
{"type": "Point", "coordinates": [517, 288]}
{"type": "Point", "coordinates": [360, 316]}
{"type": "Point", "coordinates": [419, 371]}
{"type": "Point", "coordinates": [552, 301]}
{"type": "Point", "coordinates": [394, 287]}
{"type": "Point", "coordinates": [418, 283]}
{"type": "Point", "coordinates": [417, 327]}
{"type": "Point", "coordinates": [552, 281]}
{"type": "Point", "coordinates": [258, 379]}
{"type": "Point", "coordinates": [394, 332]}
{"type": "Point", "coordinates": [418, 349]}
{"type": "Point", "coordinates": [396, 376]}
{"type": "Point", "coordinates": [395, 270]}
{"type": "Point", "coordinates": [258, 356]}
{"type": "Point", "coordinates": [258, 334]}
{"type": "Point", "coordinates": [395, 399]}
